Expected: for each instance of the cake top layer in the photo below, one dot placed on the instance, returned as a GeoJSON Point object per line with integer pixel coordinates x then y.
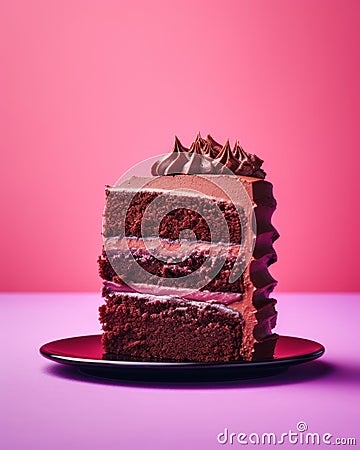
{"type": "Point", "coordinates": [220, 187]}
{"type": "Point", "coordinates": [206, 156]}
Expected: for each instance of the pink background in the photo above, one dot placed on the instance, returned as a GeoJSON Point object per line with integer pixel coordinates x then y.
{"type": "Point", "coordinates": [89, 88]}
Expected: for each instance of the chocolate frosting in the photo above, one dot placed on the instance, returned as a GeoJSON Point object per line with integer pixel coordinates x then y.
{"type": "Point", "coordinates": [215, 145]}
{"type": "Point", "coordinates": [173, 163]}
{"type": "Point", "coordinates": [226, 159]}
{"type": "Point", "coordinates": [201, 141]}
{"type": "Point", "coordinates": [208, 156]}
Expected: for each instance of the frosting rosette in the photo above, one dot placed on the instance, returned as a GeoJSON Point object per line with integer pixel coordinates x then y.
{"type": "Point", "coordinates": [206, 156]}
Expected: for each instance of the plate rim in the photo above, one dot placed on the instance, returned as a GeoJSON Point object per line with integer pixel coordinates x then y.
{"type": "Point", "coordinates": [122, 364]}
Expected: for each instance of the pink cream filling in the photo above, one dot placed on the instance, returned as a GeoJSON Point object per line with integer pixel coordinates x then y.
{"type": "Point", "coordinates": [225, 298]}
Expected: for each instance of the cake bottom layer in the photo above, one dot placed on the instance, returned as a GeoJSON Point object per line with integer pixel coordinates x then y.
{"type": "Point", "coordinates": [158, 328]}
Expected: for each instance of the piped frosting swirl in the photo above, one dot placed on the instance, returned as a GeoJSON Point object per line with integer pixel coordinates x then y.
{"type": "Point", "coordinates": [206, 156]}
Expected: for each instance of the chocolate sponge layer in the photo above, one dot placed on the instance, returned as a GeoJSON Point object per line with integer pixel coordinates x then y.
{"type": "Point", "coordinates": [210, 266]}
{"type": "Point", "coordinates": [161, 328]}
{"type": "Point", "coordinates": [125, 216]}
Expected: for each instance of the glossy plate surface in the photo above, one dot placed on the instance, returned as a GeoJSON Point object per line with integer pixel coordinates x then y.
{"type": "Point", "coordinates": [85, 353]}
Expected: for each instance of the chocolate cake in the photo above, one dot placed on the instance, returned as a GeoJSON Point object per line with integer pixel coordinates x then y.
{"type": "Point", "coordinates": [185, 259]}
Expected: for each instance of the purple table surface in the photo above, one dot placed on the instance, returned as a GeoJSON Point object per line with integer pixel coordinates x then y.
{"type": "Point", "coordinates": [48, 406]}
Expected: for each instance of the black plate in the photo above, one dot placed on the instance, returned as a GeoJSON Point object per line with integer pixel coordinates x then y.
{"type": "Point", "coordinates": [85, 353]}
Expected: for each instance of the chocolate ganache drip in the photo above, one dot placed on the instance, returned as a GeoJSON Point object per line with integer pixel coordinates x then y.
{"type": "Point", "coordinates": [208, 156]}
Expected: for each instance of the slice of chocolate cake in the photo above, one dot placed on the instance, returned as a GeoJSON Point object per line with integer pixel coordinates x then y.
{"type": "Point", "coordinates": [185, 259]}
